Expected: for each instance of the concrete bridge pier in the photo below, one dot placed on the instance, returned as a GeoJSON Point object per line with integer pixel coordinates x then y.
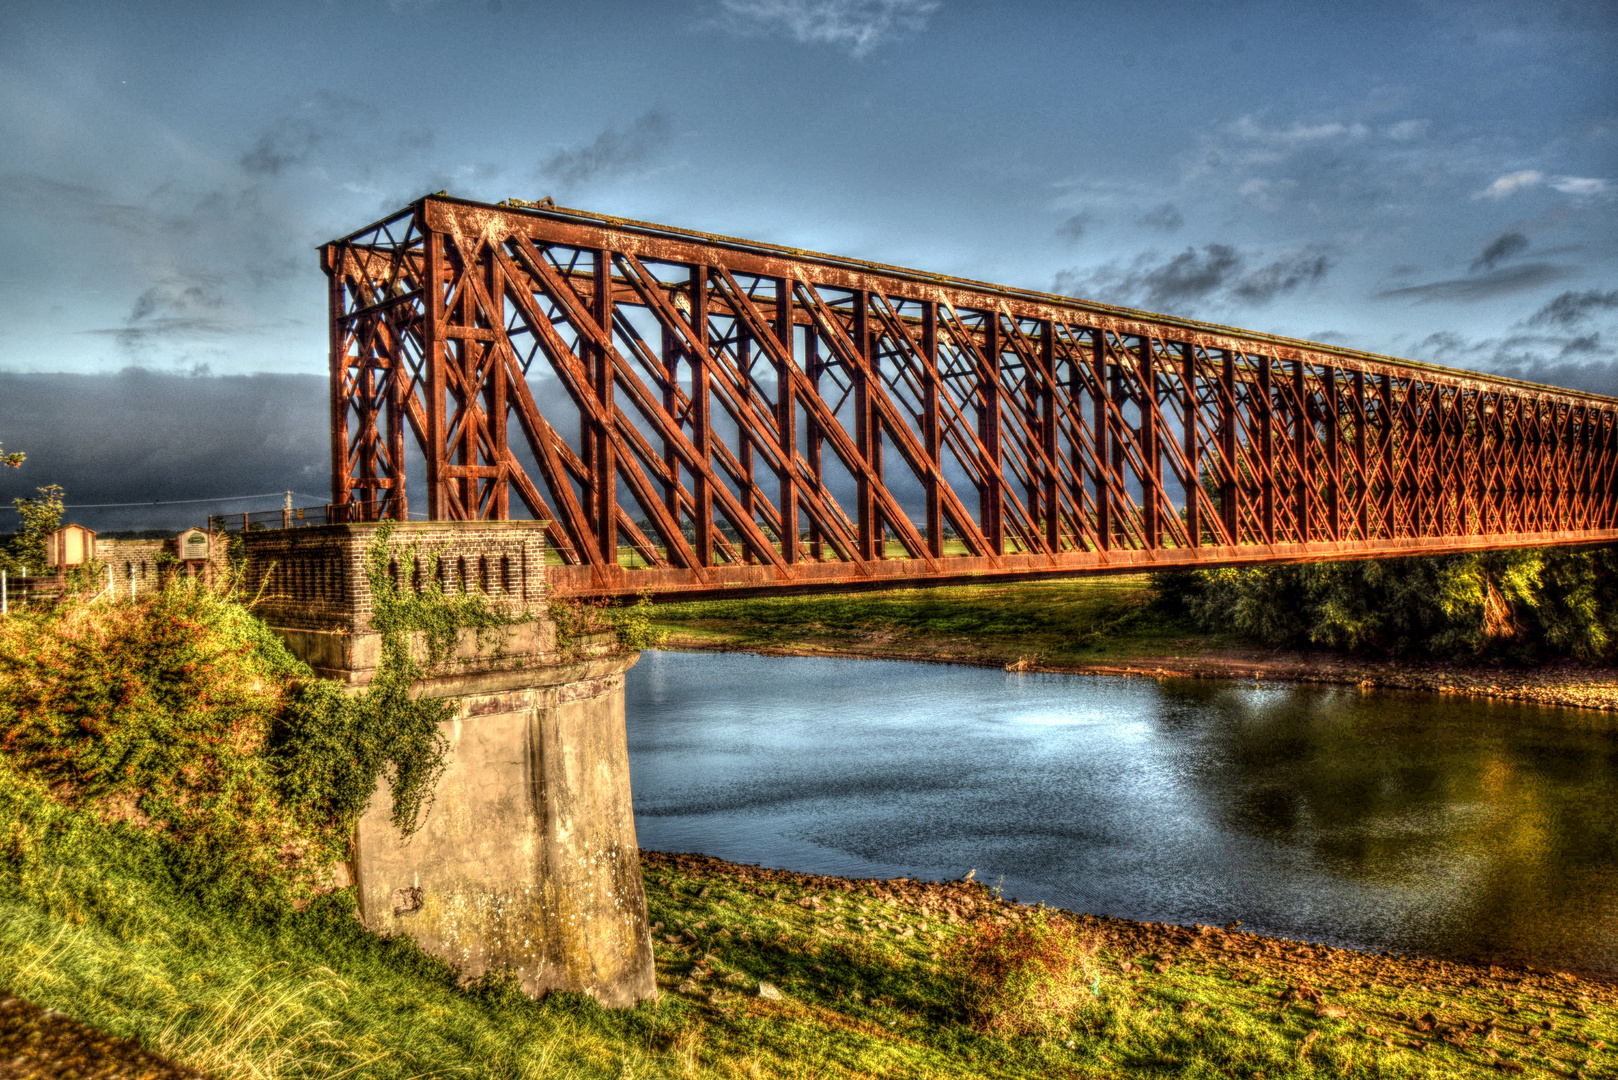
{"type": "Point", "coordinates": [526, 859]}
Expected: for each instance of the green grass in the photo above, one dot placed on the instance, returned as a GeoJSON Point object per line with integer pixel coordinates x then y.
{"type": "Point", "coordinates": [1082, 620]}
{"type": "Point", "coordinates": [89, 928]}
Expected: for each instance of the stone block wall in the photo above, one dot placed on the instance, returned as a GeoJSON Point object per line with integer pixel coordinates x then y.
{"type": "Point", "coordinates": [315, 578]}
{"type": "Point", "coordinates": [146, 564]}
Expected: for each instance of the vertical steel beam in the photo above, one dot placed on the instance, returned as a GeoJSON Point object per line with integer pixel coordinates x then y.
{"type": "Point", "coordinates": [701, 428]}
{"type": "Point", "coordinates": [1151, 480]}
{"type": "Point", "coordinates": [930, 431]}
{"type": "Point", "coordinates": [1362, 494]}
{"type": "Point", "coordinates": [1103, 440]}
{"type": "Point", "coordinates": [671, 405]}
{"type": "Point", "coordinates": [1047, 435]}
{"type": "Point", "coordinates": [497, 405]}
{"type": "Point", "coordinates": [989, 496]}
{"type": "Point", "coordinates": [1193, 445]}
{"type": "Point", "coordinates": [1230, 478]}
{"type": "Point", "coordinates": [1385, 440]}
{"type": "Point", "coordinates": [1303, 428]}
{"type": "Point", "coordinates": [605, 476]}
{"type": "Point", "coordinates": [864, 436]}
{"type": "Point", "coordinates": [433, 344]}
{"type": "Point", "coordinates": [1266, 449]}
{"type": "Point", "coordinates": [1334, 464]}
{"type": "Point", "coordinates": [786, 421]}
{"type": "Point", "coordinates": [744, 442]}
{"type": "Point", "coordinates": [815, 369]}
{"type": "Point", "coordinates": [341, 332]}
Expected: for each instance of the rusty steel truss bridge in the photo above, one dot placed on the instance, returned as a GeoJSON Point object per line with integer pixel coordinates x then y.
{"type": "Point", "coordinates": [695, 414]}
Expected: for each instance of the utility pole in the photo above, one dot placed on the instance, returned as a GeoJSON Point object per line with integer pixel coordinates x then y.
{"type": "Point", "coordinates": [286, 512]}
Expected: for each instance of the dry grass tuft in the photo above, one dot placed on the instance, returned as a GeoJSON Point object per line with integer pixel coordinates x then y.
{"type": "Point", "coordinates": [1023, 977]}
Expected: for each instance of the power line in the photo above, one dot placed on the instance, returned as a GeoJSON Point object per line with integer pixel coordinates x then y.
{"type": "Point", "coordinates": [177, 502]}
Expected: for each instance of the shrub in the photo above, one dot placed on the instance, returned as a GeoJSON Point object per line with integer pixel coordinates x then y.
{"type": "Point", "coordinates": [159, 710]}
{"type": "Point", "coordinates": [182, 713]}
{"type": "Point", "coordinates": [1024, 977]}
{"type": "Point", "coordinates": [634, 625]}
{"type": "Point", "coordinates": [576, 617]}
{"type": "Point", "coordinates": [39, 516]}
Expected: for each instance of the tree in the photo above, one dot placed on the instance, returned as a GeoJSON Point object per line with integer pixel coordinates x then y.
{"type": "Point", "coordinates": [41, 516]}
{"type": "Point", "coordinates": [13, 459]}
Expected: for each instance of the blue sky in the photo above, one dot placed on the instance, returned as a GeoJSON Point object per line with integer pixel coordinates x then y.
{"type": "Point", "coordinates": [1432, 180]}
{"type": "Point", "coordinates": [1420, 179]}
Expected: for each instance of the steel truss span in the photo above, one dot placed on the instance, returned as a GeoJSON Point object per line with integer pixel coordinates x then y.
{"type": "Point", "coordinates": [696, 414]}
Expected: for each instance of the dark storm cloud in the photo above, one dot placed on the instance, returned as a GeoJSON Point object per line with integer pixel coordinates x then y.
{"type": "Point", "coordinates": [293, 139]}
{"type": "Point", "coordinates": [1190, 275]}
{"type": "Point", "coordinates": [172, 309]}
{"type": "Point", "coordinates": [1501, 247]}
{"type": "Point", "coordinates": [140, 436]}
{"type": "Point", "coordinates": [614, 151]}
{"type": "Point", "coordinates": [1281, 276]}
{"type": "Point", "coordinates": [1164, 217]}
{"type": "Point", "coordinates": [1501, 282]}
{"type": "Point", "coordinates": [1073, 228]}
{"type": "Point", "coordinates": [202, 265]}
{"type": "Point", "coordinates": [1218, 275]}
{"type": "Point", "coordinates": [289, 142]}
{"type": "Point", "coordinates": [1584, 362]}
{"type": "Point", "coordinates": [1570, 308]}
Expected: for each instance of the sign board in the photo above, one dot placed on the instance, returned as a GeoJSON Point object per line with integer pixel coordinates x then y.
{"type": "Point", "coordinates": [193, 545]}
{"type": "Point", "coordinates": [71, 545]}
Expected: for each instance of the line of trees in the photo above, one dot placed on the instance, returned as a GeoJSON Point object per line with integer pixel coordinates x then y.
{"type": "Point", "coordinates": [1522, 606]}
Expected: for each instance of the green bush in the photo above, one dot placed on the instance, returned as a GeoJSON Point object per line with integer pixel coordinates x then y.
{"type": "Point", "coordinates": [183, 713]}
{"type": "Point", "coordinates": [634, 625]}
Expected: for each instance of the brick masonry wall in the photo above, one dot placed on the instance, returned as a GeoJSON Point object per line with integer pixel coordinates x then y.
{"type": "Point", "coordinates": [147, 559]}
{"type": "Point", "coordinates": [315, 578]}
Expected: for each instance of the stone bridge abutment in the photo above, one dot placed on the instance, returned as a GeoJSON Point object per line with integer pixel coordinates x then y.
{"type": "Point", "coordinates": [526, 859]}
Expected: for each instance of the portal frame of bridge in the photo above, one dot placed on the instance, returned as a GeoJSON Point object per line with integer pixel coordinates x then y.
{"type": "Point", "coordinates": [736, 414]}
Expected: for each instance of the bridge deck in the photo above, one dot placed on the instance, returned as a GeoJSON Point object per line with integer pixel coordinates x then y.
{"type": "Point", "coordinates": [699, 414]}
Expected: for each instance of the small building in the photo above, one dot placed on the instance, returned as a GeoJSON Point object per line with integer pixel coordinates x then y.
{"type": "Point", "coordinates": [71, 545]}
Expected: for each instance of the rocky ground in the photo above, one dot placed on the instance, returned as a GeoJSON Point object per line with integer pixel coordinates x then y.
{"type": "Point", "coordinates": [40, 1044]}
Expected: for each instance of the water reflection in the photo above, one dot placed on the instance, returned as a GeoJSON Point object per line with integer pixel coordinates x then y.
{"type": "Point", "coordinates": [1381, 821]}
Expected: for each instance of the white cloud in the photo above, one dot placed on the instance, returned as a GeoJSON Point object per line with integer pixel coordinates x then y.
{"type": "Point", "coordinates": [856, 25]}
{"type": "Point", "coordinates": [1248, 128]}
{"type": "Point", "coordinates": [1510, 183]}
{"type": "Point", "coordinates": [1405, 130]}
{"type": "Point", "coordinates": [1580, 185]}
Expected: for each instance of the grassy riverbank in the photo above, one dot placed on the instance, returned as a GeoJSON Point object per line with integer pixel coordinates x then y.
{"type": "Point", "coordinates": [1097, 625]}
{"type": "Point", "coordinates": [859, 969]}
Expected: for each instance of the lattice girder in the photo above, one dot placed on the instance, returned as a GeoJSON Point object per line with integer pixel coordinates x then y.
{"type": "Point", "coordinates": [694, 413]}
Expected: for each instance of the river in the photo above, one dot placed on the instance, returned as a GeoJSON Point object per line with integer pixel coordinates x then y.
{"type": "Point", "coordinates": [1442, 826]}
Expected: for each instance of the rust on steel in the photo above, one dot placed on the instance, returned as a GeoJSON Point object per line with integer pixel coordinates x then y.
{"type": "Point", "coordinates": [693, 413]}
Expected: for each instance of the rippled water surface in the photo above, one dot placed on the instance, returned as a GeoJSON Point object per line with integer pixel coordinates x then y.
{"type": "Point", "coordinates": [1383, 821]}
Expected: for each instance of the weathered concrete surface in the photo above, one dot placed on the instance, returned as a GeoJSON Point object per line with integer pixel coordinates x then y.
{"type": "Point", "coordinates": [527, 859]}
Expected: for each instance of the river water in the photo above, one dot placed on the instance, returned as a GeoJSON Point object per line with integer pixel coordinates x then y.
{"type": "Point", "coordinates": [1383, 821]}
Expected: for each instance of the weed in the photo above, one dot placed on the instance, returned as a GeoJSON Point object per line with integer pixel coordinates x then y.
{"type": "Point", "coordinates": [635, 627]}
{"type": "Point", "coordinates": [1022, 978]}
